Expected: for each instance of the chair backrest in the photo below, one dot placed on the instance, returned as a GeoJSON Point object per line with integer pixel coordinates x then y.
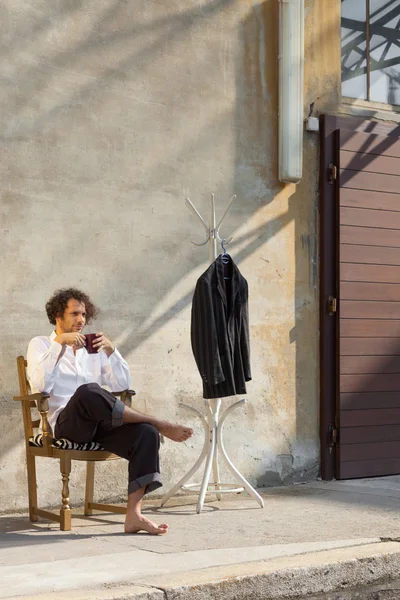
{"type": "Point", "coordinates": [24, 388]}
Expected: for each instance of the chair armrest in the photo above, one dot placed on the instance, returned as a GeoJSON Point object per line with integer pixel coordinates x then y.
{"type": "Point", "coordinates": [36, 397]}
{"type": "Point", "coordinates": [126, 396]}
{"type": "Point", "coordinates": [42, 403]}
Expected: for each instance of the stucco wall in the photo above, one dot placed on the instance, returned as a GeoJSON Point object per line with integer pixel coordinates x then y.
{"type": "Point", "coordinates": [111, 113]}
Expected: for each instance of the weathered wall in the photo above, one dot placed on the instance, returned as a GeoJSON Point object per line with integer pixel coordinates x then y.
{"type": "Point", "coordinates": [111, 112]}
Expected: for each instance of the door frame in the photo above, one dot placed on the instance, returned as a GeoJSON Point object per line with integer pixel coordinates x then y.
{"type": "Point", "coordinates": [328, 276]}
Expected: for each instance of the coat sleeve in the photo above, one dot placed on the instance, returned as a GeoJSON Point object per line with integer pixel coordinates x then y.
{"type": "Point", "coordinates": [204, 335]}
{"type": "Point", "coordinates": [245, 337]}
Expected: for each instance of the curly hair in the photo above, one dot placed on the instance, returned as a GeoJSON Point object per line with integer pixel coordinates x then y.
{"type": "Point", "coordinates": [57, 304]}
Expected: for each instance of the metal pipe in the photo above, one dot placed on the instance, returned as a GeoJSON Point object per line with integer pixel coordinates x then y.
{"type": "Point", "coordinates": [291, 89]}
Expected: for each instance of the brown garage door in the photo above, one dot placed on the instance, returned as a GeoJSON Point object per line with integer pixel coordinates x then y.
{"type": "Point", "coordinates": [368, 327]}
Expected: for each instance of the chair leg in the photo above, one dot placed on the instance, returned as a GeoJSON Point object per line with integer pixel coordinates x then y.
{"type": "Point", "coordinates": [90, 465]}
{"type": "Point", "coordinates": [32, 487]}
{"type": "Point", "coordinates": [65, 512]}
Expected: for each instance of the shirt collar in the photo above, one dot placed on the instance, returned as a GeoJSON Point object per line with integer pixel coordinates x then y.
{"type": "Point", "coordinates": [53, 336]}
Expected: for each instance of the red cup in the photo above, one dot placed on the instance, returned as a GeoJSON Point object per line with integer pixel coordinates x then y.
{"type": "Point", "coordinates": [90, 337]}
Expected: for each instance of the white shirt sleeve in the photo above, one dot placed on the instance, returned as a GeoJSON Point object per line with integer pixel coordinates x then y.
{"type": "Point", "coordinates": [42, 367]}
{"type": "Point", "coordinates": [115, 372]}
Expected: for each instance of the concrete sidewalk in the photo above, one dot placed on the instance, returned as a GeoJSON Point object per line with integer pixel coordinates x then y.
{"type": "Point", "coordinates": [309, 539]}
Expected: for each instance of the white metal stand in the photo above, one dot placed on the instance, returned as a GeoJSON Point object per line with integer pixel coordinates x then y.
{"type": "Point", "coordinates": [213, 423]}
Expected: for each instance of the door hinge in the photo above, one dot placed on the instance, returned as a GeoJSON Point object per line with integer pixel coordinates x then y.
{"type": "Point", "coordinates": [332, 170]}
{"type": "Point", "coordinates": [332, 305]}
{"type": "Point", "coordinates": [333, 435]}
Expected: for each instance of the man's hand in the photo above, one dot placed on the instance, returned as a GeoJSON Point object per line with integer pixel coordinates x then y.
{"type": "Point", "coordinates": [103, 343]}
{"type": "Point", "coordinates": [74, 339]}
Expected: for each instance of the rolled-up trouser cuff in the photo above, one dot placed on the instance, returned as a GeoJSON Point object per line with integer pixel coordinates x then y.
{"type": "Point", "coordinates": [117, 413]}
{"type": "Point", "coordinates": [149, 482]}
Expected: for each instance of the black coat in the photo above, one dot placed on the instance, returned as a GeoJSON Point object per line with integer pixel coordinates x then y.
{"type": "Point", "coordinates": [220, 330]}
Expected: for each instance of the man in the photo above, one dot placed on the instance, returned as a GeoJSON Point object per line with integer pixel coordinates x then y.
{"type": "Point", "coordinates": [82, 411]}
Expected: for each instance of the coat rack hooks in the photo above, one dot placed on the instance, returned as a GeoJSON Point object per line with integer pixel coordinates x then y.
{"type": "Point", "coordinates": [212, 229]}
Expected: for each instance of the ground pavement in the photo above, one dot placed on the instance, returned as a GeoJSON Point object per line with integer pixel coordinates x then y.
{"type": "Point", "coordinates": [325, 538]}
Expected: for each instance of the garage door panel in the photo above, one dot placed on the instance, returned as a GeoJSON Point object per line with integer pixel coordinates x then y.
{"type": "Point", "coordinates": [370, 273]}
{"type": "Point", "coordinates": [376, 255]}
{"type": "Point", "coordinates": [370, 382]}
{"type": "Point", "coordinates": [369, 468]}
{"type": "Point", "coordinates": [389, 292]}
{"type": "Point", "coordinates": [369, 328]}
{"type": "Point", "coordinates": [350, 452]}
{"type": "Point", "coordinates": [366, 217]}
{"type": "Point", "coordinates": [369, 236]}
{"type": "Point", "coordinates": [369, 400]}
{"type": "Point", "coordinates": [360, 180]}
{"type": "Point", "coordinates": [365, 418]}
{"type": "Point", "coordinates": [371, 143]}
{"type": "Point", "coordinates": [376, 200]}
{"type": "Point", "coordinates": [361, 161]}
{"type": "Point", "coordinates": [366, 309]}
{"type": "Point", "coordinates": [369, 347]}
{"type": "Point", "coordinates": [353, 365]}
{"type": "Point", "coordinates": [373, 433]}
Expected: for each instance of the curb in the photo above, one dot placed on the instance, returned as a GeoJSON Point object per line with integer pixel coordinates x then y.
{"type": "Point", "coordinates": [297, 576]}
{"type": "Point", "coordinates": [122, 592]}
{"type": "Point", "coordinates": [288, 577]}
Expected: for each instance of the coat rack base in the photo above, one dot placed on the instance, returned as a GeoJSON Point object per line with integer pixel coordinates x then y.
{"type": "Point", "coordinates": [213, 425]}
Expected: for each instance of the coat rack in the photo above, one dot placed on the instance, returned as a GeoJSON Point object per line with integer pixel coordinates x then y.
{"type": "Point", "coordinates": [213, 423]}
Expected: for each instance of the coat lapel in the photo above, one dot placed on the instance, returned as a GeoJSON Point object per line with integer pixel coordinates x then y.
{"type": "Point", "coordinates": [221, 283]}
{"type": "Point", "coordinates": [220, 280]}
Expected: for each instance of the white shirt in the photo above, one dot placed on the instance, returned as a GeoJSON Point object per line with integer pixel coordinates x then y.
{"type": "Point", "coordinates": [61, 379]}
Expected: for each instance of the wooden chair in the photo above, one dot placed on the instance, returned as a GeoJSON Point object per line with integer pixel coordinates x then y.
{"type": "Point", "coordinates": [65, 456]}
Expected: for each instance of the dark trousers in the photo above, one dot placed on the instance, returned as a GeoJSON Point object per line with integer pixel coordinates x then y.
{"type": "Point", "coordinates": [93, 414]}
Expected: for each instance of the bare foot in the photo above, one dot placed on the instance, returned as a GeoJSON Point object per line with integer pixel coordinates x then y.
{"type": "Point", "coordinates": [177, 433]}
{"type": "Point", "coordinates": [140, 523]}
